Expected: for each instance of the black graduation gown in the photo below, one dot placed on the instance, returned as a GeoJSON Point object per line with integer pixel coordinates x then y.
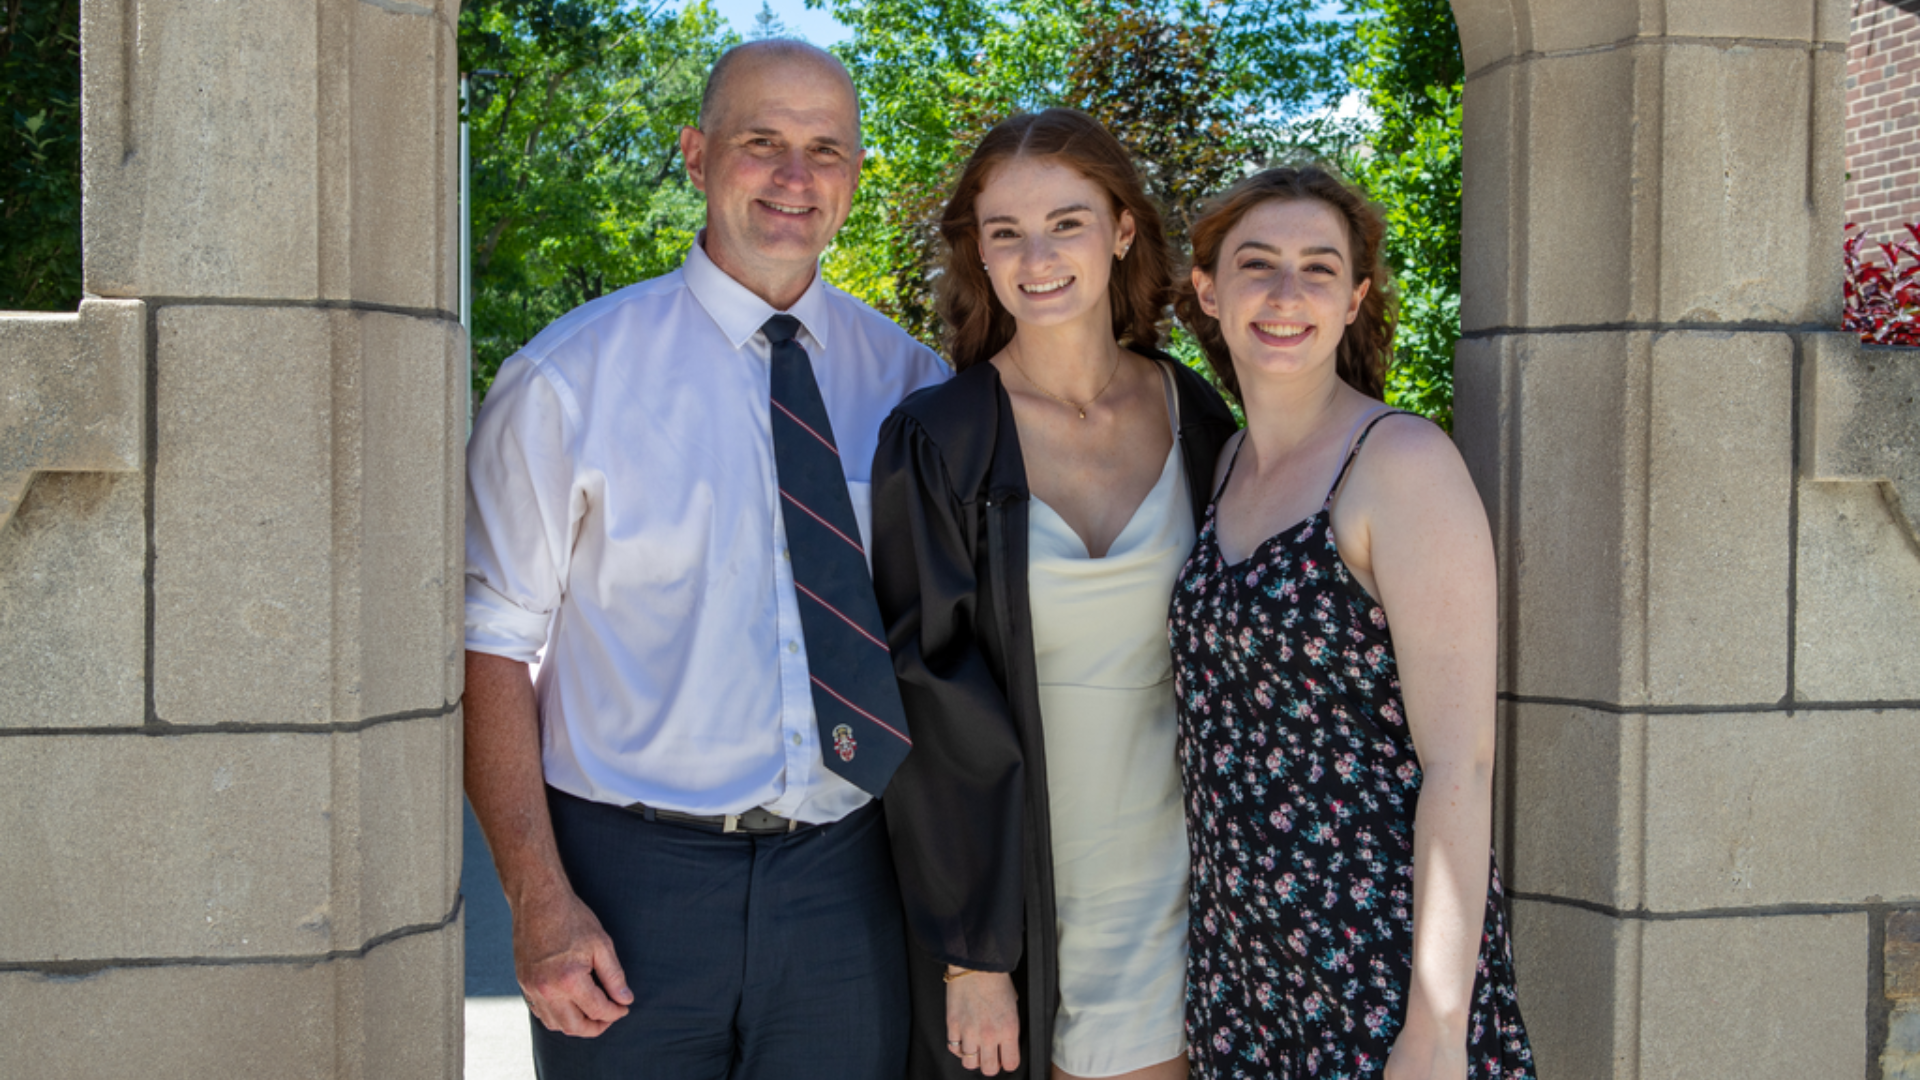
{"type": "Point", "coordinates": [967, 811]}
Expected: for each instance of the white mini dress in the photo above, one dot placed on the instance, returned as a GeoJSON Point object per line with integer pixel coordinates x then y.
{"type": "Point", "coordinates": [1113, 783]}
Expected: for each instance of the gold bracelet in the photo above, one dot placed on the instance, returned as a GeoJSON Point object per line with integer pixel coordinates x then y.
{"type": "Point", "coordinates": [955, 972]}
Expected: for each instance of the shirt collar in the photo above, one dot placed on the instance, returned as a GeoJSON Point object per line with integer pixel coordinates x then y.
{"type": "Point", "coordinates": [737, 311]}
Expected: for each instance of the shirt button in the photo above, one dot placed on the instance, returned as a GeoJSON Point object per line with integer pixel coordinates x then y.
{"type": "Point", "coordinates": [796, 739]}
{"type": "Point", "coordinates": [793, 646]}
{"type": "Point", "coordinates": [786, 554]}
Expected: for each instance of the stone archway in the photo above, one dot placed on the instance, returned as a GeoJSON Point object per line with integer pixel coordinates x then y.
{"type": "Point", "coordinates": [1709, 707]}
{"type": "Point", "coordinates": [229, 645]}
{"type": "Point", "coordinates": [230, 585]}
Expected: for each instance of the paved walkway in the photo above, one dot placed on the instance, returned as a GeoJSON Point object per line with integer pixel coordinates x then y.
{"type": "Point", "coordinates": [498, 1040]}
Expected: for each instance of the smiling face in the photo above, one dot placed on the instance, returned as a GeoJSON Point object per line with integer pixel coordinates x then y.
{"type": "Point", "coordinates": [1049, 237]}
{"type": "Point", "coordinates": [1283, 287]}
{"type": "Point", "coordinates": [778, 163]}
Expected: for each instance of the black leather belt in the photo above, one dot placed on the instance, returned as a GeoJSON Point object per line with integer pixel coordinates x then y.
{"type": "Point", "coordinates": [755, 822]}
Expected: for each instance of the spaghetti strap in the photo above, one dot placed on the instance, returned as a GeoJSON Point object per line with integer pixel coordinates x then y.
{"type": "Point", "coordinates": [1231, 462]}
{"type": "Point", "coordinates": [1355, 452]}
{"type": "Point", "coordinates": [1173, 401]}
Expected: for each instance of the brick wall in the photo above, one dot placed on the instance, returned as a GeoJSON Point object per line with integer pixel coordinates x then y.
{"type": "Point", "coordinates": [1883, 117]}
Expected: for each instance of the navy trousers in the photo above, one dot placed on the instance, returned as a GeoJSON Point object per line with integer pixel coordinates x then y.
{"type": "Point", "coordinates": [750, 957]}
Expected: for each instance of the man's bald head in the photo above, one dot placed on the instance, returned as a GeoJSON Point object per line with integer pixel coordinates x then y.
{"type": "Point", "coordinates": [777, 154]}
{"type": "Point", "coordinates": [759, 54]}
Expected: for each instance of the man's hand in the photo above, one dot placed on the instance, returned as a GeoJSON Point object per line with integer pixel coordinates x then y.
{"type": "Point", "coordinates": [983, 1022]}
{"type": "Point", "coordinates": [567, 969]}
{"type": "Point", "coordinates": [561, 955]}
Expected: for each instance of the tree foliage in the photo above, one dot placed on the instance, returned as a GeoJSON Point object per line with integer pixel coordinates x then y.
{"type": "Point", "coordinates": [1408, 48]}
{"type": "Point", "coordinates": [40, 154]}
{"type": "Point", "coordinates": [577, 184]}
{"type": "Point", "coordinates": [1166, 90]}
{"type": "Point", "coordinates": [1411, 72]}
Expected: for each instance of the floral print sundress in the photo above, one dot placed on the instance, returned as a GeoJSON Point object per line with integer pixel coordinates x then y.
{"type": "Point", "coordinates": [1300, 783]}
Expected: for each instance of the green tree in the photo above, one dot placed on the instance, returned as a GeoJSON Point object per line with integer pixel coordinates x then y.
{"type": "Point", "coordinates": [1166, 90]}
{"type": "Point", "coordinates": [577, 183]}
{"type": "Point", "coordinates": [40, 154]}
{"type": "Point", "coordinates": [1411, 71]}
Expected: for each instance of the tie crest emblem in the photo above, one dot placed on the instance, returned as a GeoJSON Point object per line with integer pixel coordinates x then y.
{"type": "Point", "coordinates": [843, 743]}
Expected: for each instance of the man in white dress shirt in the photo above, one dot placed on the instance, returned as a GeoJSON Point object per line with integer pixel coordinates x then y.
{"type": "Point", "coordinates": [693, 892]}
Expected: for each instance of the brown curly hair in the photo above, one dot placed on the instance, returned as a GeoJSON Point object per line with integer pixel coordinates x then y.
{"type": "Point", "coordinates": [978, 325]}
{"type": "Point", "coordinates": [1367, 346]}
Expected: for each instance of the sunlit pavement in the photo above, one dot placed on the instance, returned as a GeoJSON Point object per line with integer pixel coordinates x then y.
{"type": "Point", "coordinates": [499, 1043]}
{"type": "Point", "coordinates": [499, 1046]}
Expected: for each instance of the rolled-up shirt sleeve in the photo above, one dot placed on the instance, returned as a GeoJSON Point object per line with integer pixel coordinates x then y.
{"type": "Point", "coordinates": [523, 508]}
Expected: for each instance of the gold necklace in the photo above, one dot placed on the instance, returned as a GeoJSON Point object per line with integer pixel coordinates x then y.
{"type": "Point", "coordinates": [1075, 406]}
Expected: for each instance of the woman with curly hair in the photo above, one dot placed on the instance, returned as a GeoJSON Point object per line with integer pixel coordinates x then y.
{"type": "Point", "coordinates": [1336, 696]}
{"type": "Point", "coordinates": [1029, 517]}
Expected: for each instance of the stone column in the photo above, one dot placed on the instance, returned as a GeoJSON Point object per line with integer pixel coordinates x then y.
{"type": "Point", "coordinates": [1709, 695]}
{"type": "Point", "coordinates": [229, 585]}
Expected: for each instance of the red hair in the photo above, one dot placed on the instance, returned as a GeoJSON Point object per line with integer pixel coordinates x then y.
{"type": "Point", "coordinates": [978, 325]}
{"type": "Point", "coordinates": [1367, 345]}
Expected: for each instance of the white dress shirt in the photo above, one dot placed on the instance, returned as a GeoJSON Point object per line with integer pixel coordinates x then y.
{"type": "Point", "coordinates": [621, 513]}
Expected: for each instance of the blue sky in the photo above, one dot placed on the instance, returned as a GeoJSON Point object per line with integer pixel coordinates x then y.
{"type": "Point", "coordinates": [814, 24]}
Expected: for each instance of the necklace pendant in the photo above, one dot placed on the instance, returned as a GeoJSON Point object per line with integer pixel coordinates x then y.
{"type": "Point", "coordinates": [1083, 414]}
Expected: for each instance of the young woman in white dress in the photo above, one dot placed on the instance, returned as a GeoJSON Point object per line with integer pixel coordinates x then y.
{"type": "Point", "coordinates": [1030, 517]}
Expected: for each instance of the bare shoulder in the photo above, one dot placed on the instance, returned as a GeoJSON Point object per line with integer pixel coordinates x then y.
{"type": "Point", "coordinates": [1410, 475]}
{"type": "Point", "coordinates": [1405, 452]}
{"type": "Point", "coordinates": [1407, 437]}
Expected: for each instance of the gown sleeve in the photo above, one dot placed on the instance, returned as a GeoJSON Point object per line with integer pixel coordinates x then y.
{"type": "Point", "coordinates": [954, 808]}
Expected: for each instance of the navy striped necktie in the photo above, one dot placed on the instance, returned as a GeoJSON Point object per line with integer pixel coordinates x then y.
{"type": "Point", "coordinates": [863, 729]}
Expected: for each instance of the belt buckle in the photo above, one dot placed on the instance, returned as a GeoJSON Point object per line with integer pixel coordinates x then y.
{"type": "Point", "coordinates": [730, 823]}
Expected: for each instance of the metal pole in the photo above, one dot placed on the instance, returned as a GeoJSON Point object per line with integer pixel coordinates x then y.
{"type": "Point", "coordinates": [466, 249]}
